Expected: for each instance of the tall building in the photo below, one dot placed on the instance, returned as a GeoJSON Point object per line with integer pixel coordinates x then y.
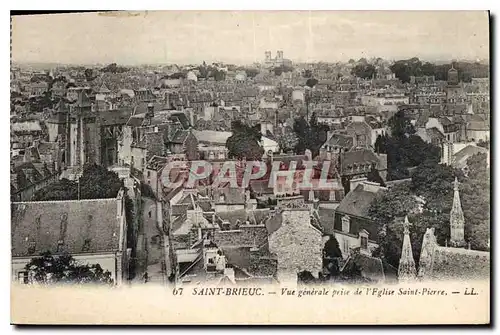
{"type": "Point", "coordinates": [278, 61]}
{"type": "Point", "coordinates": [406, 271]}
{"type": "Point", "coordinates": [457, 222]}
{"type": "Point", "coordinates": [454, 90]}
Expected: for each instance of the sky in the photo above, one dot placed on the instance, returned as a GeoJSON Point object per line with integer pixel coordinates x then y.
{"type": "Point", "coordinates": [183, 37]}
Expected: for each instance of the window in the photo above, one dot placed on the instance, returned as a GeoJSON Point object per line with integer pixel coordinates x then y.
{"type": "Point", "coordinates": [346, 247]}
{"type": "Point", "coordinates": [149, 214]}
{"type": "Point", "coordinates": [60, 245]}
{"type": "Point", "coordinates": [364, 242]}
{"type": "Point", "coordinates": [345, 224]}
{"type": "Point", "coordinates": [22, 277]}
{"type": "Point", "coordinates": [149, 174]}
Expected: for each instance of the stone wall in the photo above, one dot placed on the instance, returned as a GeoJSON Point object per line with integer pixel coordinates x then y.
{"type": "Point", "coordinates": [297, 244]}
{"type": "Point", "coordinates": [246, 235]}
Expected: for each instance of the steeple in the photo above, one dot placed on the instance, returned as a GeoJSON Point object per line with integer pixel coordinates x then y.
{"type": "Point", "coordinates": [457, 221]}
{"type": "Point", "coordinates": [406, 271]}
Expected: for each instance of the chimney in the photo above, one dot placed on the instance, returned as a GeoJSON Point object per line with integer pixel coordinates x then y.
{"type": "Point", "coordinates": [151, 111]}
{"type": "Point", "coordinates": [311, 195]}
{"type": "Point", "coordinates": [356, 181]}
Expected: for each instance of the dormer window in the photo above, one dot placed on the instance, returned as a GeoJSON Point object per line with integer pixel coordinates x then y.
{"type": "Point", "coordinates": [364, 242]}
{"type": "Point", "coordinates": [86, 245]}
{"type": "Point", "coordinates": [346, 223]}
{"type": "Point", "coordinates": [60, 245]}
{"type": "Point", "coordinates": [31, 248]}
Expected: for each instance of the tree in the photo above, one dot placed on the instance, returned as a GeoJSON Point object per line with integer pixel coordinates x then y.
{"type": "Point", "coordinates": [381, 144]}
{"type": "Point", "coordinates": [475, 198]}
{"type": "Point", "coordinates": [287, 141]}
{"type": "Point", "coordinates": [484, 144]}
{"type": "Point", "coordinates": [89, 75]}
{"type": "Point", "coordinates": [387, 210]}
{"type": "Point", "coordinates": [331, 248]}
{"type": "Point", "coordinates": [311, 82]}
{"type": "Point", "coordinates": [365, 71]}
{"type": "Point", "coordinates": [404, 149]}
{"type": "Point", "coordinates": [400, 125]}
{"type": "Point", "coordinates": [96, 182]}
{"type": "Point", "coordinates": [435, 183]}
{"type": "Point", "coordinates": [305, 278]}
{"type": "Point", "coordinates": [331, 255]}
{"type": "Point", "coordinates": [244, 142]}
{"type": "Point", "coordinates": [64, 269]}
{"type": "Point", "coordinates": [114, 68]}
{"type": "Point", "coordinates": [375, 177]}
{"type": "Point", "coordinates": [310, 135]}
{"type": "Point", "coordinates": [251, 73]}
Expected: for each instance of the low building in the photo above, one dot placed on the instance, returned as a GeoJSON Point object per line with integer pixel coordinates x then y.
{"type": "Point", "coordinates": [353, 226]}
{"type": "Point", "coordinates": [91, 231]}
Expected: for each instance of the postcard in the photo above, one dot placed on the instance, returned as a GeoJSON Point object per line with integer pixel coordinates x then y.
{"type": "Point", "coordinates": [250, 167]}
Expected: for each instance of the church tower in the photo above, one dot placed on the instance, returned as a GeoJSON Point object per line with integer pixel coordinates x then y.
{"type": "Point", "coordinates": [406, 270]}
{"type": "Point", "coordinates": [457, 221]}
{"type": "Point", "coordinates": [453, 79]}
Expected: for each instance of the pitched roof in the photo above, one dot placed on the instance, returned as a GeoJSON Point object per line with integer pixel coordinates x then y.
{"type": "Point", "coordinates": [435, 133]}
{"type": "Point", "coordinates": [358, 127]}
{"type": "Point", "coordinates": [326, 220]}
{"type": "Point", "coordinates": [180, 136]}
{"type": "Point", "coordinates": [468, 151]}
{"type": "Point", "coordinates": [26, 126]}
{"type": "Point", "coordinates": [340, 140]}
{"type": "Point", "coordinates": [42, 224]}
{"type": "Point", "coordinates": [115, 117]}
{"type": "Point", "coordinates": [363, 156]}
{"type": "Point", "coordinates": [477, 125]}
{"type": "Point", "coordinates": [371, 267]}
{"type": "Point", "coordinates": [357, 202]}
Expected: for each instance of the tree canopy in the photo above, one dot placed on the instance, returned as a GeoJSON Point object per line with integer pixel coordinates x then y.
{"type": "Point", "coordinates": [405, 68]}
{"type": "Point", "coordinates": [311, 135]}
{"type": "Point", "coordinates": [475, 198]}
{"type": "Point", "coordinates": [244, 142]}
{"type": "Point", "coordinates": [404, 149]}
{"type": "Point", "coordinates": [365, 71]}
{"type": "Point", "coordinates": [114, 68]}
{"type": "Point", "coordinates": [96, 182]}
{"type": "Point", "coordinates": [64, 269]}
{"type": "Point", "coordinates": [311, 82]}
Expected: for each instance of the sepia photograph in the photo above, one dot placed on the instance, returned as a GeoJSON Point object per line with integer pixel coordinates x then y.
{"type": "Point", "coordinates": [175, 159]}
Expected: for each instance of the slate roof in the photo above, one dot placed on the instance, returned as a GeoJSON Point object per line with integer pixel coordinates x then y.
{"type": "Point", "coordinates": [477, 125]}
{"type": "Point", "coordinates": [467, 152]}
{"type": "Point", "coordinates": [115, 117]}
{"type": "Point", "coordinates": [26, 126]}
{"type": "Point", "coordinates": [232, 196]}
{"type": "Point", "coordinates": [340, 140]}
{"type": "Point", "coordinates": [435, 134]}
{"type": "Point", "coordinates": [363, 156]}
{"type": "Point", "coordinates": [371, 267]}
{"type": "Point", "coordinates": [327, 220]}
{"type": "Point", "coordinates": [359, 127]}
{"type": "Point", "coordinates": [357, 202]}
{"type": "Point", "coordinates": [179, 136]}
{"type": "Point", "coordinates": [42, 224]}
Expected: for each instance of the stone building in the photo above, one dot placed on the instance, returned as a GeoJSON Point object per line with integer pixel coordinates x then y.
{"type": "Point", "coordinates": [297, 244]}
{"type": "Point", "coordinates": [92, 231]}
